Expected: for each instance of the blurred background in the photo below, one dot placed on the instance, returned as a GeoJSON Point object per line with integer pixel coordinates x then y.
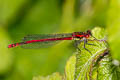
{"type": "Point", "coordinates": [19, 18]}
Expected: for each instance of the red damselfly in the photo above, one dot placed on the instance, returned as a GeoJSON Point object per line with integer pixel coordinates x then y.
{"type": "Point", "coordinates": [43, 40]}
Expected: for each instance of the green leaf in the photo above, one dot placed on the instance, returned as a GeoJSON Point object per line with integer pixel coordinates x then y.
{"type": "Point", "coordinates": [70, 68]}
{"type": "Point", "coordinates": [84, 60]}
{"type": "Point", "coordinates": [54, 76]}
{"type": "Point", "coordinates": [106, 70]}
{"type": "Point", "coordinates": [114, 28]}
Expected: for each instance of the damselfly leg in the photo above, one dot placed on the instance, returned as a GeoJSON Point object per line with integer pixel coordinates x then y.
{"type": "Point", "coordinates": [77, 42]}
{"type": "Point", "coordinates": [85, 40]}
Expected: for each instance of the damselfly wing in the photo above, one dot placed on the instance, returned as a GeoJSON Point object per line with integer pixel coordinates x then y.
{"type": "Point", "coordinates": [44, 40]}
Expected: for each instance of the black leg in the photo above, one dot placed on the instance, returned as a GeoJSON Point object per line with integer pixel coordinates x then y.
{"type": "Point", "coordinates": [78, 49]}
{"type": "Point", "coordinates": [85, 42]}
{"type": "Point", "coordinates": [77, 42]}
{"type": "Point", "coordinates": [94, 37]}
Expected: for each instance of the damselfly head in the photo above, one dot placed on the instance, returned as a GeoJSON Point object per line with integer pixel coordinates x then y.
{"type": "Point", "coordinates": [89, 32]}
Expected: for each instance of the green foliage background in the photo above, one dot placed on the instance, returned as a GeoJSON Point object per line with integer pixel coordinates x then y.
{"type": "Point", "coordinates": [21, 17]}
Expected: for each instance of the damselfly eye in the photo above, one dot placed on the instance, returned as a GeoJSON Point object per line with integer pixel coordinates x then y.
{"type": "Point", "coordinates": [89, 32]}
